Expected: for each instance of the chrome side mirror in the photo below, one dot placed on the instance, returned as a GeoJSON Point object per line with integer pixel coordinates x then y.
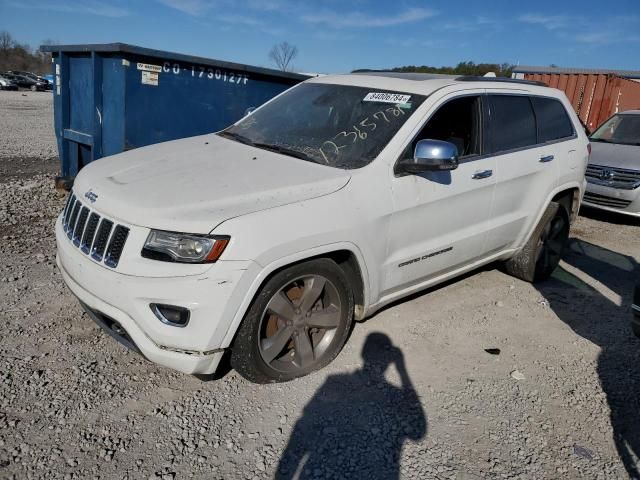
{"type": "Point", "coordinates": [430, 155]}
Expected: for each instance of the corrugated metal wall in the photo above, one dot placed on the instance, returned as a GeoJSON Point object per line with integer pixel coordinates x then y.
{"type": "Point", "coordinates": [595, 97]}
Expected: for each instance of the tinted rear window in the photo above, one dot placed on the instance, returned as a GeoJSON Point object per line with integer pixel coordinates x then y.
{"type": "Point", "coordinates": [553, 121]}
{"type": "Point", "coordinates": [512, 121]}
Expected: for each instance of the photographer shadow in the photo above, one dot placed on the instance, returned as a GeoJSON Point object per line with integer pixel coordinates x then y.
{"type": "Point", "coordinates": [592, 295]}
{"type": "Point", "coordinates": [356, 424]}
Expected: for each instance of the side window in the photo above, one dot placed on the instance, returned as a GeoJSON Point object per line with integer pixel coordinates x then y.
{"type": "Point", "coordinates": [513, 124]}
{"type": "Point", "coordinates": [552, 118]}
{"type": "Point", "coordinates": [458, 121]}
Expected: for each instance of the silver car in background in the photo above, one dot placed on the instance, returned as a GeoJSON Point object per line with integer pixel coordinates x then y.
{"type": "Point", "coordinates": [613, 173]}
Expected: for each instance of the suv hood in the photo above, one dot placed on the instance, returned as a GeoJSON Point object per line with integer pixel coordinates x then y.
{"type": "Point", "coordinates": [193, 185]}
{"type": "Point", "coordinates": [615, 155]}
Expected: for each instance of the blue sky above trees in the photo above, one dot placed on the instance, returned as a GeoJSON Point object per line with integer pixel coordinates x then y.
{"type": "Point", "coordinates": [342, 35]}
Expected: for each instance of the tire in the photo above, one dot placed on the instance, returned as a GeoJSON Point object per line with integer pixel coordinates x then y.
{"type": "Point", "coordinates": [541, 254]}
{"type": "Point", "coordinates": [34, 88]}
{"type": "Point", "coordinates": [287, 334]}
{"type": "Point", "coordinates": [635, 326]}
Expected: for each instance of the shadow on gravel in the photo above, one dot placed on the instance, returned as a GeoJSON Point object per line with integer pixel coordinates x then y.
{"type": "Point", "coordinates": [356, 424]}
{"type": "Point", "coordinates": [597, 307]}
{"type": "Point", "coordinates": [606, 216]}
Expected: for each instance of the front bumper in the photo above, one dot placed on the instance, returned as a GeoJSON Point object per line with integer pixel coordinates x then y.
{"type": "Point", "coordinates": [213, 297]}
{"type": "Point", "coordinates": [611, 199]}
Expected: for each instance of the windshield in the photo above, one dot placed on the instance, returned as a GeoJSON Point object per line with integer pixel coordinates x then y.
{"type": "Point", "coordinates": [621, 128]}
{"type": "Point", "coordinates": [336, 125]}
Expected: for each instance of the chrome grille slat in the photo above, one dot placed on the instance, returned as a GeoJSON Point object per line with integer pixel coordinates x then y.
{"type": "Point", "coordinates": [96, 236]}
{"type": "Point", "coordinates": [606, 201]}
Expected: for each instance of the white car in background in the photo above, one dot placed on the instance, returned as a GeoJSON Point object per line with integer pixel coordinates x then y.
{"type": "Point", "coordinates": [613, 173]}
{"type": "Point", "coordinates": [339, 196]}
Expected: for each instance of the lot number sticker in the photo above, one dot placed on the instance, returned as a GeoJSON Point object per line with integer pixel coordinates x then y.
{"type": "Point", "coordinates": [386, 97]}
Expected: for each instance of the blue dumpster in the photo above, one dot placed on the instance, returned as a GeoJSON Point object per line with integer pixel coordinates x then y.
{"type": "Point", "coordinates": [109, 98]}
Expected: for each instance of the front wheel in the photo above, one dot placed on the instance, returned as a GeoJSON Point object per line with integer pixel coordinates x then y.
{"type": "Point", "coordinates": [542, 253]}
{"type": "Point", "coordinates": [298, 323]}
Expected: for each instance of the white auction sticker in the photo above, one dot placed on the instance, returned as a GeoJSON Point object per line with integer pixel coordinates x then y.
{"type": "Point", "coordinates": [149, 67]}
{"type": "Point", "coordinates": [386, 97]}
{"type": "Point", "coordinates": [149, 78]}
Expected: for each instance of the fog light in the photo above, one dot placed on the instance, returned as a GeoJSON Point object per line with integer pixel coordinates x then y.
{"type": "Point", "coordinates": [171, 315]}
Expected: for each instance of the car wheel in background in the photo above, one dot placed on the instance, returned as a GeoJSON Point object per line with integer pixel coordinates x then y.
{"type": "Point", "coordinates": [298, 323]}
{"type": "Point", "coordinates": [635, 326]}
{"type": "Point", "coordinates": [543, 251]}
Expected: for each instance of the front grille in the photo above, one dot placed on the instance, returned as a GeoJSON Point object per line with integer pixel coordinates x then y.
{"type": "Point", "coordinates": [606, 201]}
{"type": "Point", "coordinates": [93, 234]}
{"type": "Point", "coordinates": [613, 177]}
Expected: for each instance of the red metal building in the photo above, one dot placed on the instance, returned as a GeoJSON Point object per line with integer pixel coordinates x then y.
{"type": "Point", "coordinates": [594, 94]}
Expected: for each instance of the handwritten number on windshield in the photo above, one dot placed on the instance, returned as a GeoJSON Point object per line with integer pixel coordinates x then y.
{"type": "Point", "coordinates": [331, 148]}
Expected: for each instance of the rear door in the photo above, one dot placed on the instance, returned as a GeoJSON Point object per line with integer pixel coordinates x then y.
{"type": "Point", "coordinates": [521, 137]}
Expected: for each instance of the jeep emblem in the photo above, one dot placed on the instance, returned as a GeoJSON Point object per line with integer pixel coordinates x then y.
{"type": "Point", "coordinates": [92, 197]}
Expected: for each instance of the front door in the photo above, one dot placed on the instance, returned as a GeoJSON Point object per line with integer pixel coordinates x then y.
{"type": "Point", "coordinates": [440, 219]}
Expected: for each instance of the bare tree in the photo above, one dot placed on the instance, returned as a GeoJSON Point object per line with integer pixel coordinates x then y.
{"type": "Point", "coordinates": [21, 56]}
{"type": "Point", "coordinates": [282, 55]}
{"type": "Point", "coordinates": [6, 41]}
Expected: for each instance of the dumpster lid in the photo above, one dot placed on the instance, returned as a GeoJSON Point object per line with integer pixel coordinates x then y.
{"type": "Point", "coordinates": [150, 52]}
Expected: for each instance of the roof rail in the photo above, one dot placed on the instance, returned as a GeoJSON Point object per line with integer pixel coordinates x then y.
{"type": "Point", "coordinates": [472, 78]}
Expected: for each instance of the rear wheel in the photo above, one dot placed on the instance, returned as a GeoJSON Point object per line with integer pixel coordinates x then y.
{"type": "Point", "coordinates": [635, 326]}
{"type": "Point", "coordinates": [542, 253]}
{"type": "Point", "coordinates": [297, 324]}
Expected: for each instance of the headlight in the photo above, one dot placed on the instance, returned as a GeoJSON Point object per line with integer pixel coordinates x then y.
{"type": "Point", "coordinates": [183, 247]}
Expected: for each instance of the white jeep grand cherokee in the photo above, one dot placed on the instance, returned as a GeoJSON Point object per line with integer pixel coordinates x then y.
{"type": "Point", "coordinates": [335, 198]}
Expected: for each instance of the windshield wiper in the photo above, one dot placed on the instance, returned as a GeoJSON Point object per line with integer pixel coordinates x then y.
{"type": "Point", "coordinates": [237, 137]}
{"type": "Point", "coordinates": [267, 146]}
{"type": "Point", "coordinates": [285, 150]}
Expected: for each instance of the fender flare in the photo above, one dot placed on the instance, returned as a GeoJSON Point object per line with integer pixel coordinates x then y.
{"type": "Point", "coordinates": [288, 260]}
{"type": "Point", "coordinates": [548, 200]}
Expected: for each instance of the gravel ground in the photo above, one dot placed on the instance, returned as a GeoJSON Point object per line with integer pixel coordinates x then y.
{"type": "Point", "coordinates": [414, 394]}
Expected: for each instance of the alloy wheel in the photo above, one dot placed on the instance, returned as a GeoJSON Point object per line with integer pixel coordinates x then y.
{"type": "Point", "coordinates": [551, 243]}
{"type": "Point", "coordinates": [299, 324]}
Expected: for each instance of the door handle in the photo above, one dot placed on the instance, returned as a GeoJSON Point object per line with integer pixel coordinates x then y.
{"type": "Point", "coordinates": [482, 174]}
{"type": "Point", "coordinates": [546, 158]}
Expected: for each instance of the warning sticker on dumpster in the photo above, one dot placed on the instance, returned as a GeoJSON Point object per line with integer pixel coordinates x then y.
{"type": "Point", "coordinates": [149, 67]}
{"type": "Point", "coordinates": [149, 78]}
{"type": "Point", "coordinates": [386, 97]}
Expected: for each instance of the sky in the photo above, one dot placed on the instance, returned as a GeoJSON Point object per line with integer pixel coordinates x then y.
{"type": "Point", "coordinates": [334, 36]}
